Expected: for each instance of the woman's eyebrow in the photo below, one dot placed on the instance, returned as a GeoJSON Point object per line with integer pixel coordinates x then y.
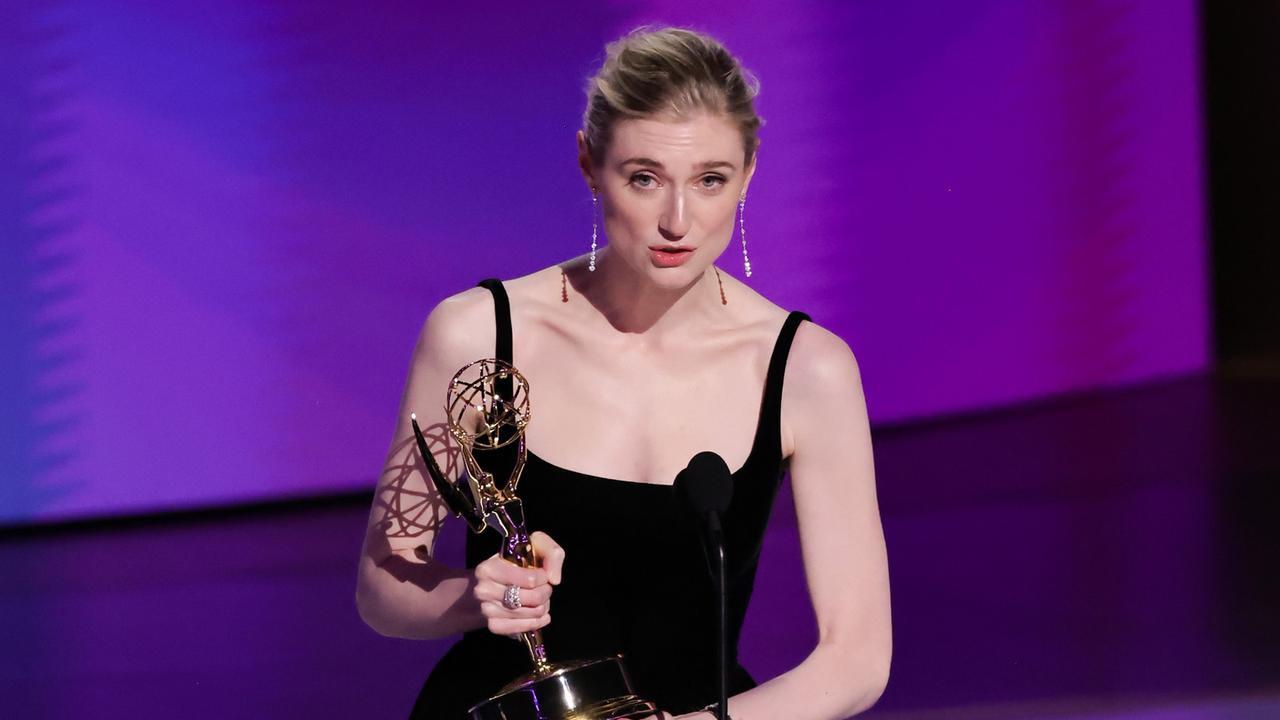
{"type": "Point", "coordinates": [646, 162]}
{"type": "Point", "coordinates": [710, 164]}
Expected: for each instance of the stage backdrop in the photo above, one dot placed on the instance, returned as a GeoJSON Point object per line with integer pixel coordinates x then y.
{"type": "Point", "coordinates": [222, 224]}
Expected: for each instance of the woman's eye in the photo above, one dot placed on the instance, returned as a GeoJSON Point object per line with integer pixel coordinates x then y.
{"type": "Point", "coordinates": [642, 180]}
{"type": "Point", "coordinates": [712, 181]}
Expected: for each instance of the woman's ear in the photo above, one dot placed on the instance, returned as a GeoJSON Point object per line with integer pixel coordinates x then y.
{"type": "Point", "coordinates": [584, 161]}
{"type": "Point", "coordinates": [751, 171]}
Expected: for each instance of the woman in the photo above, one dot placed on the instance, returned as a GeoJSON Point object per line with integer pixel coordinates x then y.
{"type": "Point", "coordinates": [640, 355]}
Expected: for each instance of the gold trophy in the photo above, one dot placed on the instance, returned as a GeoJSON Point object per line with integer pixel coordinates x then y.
{"type": "Point", "coordinates": [487, 408]}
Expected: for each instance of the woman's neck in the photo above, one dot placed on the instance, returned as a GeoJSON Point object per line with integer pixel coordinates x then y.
{"type": "Point", "coordinates": [633, 305]}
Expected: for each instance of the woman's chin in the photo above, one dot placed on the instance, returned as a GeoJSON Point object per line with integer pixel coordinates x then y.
{"type": "Point", "coordinates": [660, 273]}
{"type": "Point", "coordinates": [674, 278]}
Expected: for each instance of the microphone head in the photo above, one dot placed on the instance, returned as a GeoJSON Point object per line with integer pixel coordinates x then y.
{"type": "Point", "coordinates": [706, 485]}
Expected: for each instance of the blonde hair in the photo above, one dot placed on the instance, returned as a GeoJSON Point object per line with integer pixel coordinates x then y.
{"type": "Point", "coordinates": [669, 71]}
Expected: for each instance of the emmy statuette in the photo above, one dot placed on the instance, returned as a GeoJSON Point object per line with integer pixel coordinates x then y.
{"type": "Point", "coordinates": [487, 407]}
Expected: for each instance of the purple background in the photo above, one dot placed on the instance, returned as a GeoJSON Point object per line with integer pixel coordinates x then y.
{"type": "Point", "coordinates": [223, 225]}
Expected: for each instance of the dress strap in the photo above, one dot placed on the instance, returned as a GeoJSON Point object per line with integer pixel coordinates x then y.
{"type": "Point", "coordinates": [502, 316]}
{"type": "Point", "coordinates": [770, 425]}
{"type": "Point", "coordinates": [502, 320]}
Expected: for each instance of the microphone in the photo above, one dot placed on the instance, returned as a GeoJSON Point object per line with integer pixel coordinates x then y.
{"type": "Point", "coordinates": [706, 487]}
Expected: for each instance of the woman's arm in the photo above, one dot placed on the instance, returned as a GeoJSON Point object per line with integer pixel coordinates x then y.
{"type": "Point", "coordinates": [401, 590]}
{"type": "Point", "coordinates": [833, 479]}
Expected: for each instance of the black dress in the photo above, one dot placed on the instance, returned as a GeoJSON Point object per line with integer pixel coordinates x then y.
{"type": "Point", "coordinates": [657, 609]}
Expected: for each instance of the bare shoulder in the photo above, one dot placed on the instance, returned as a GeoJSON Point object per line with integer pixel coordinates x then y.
{"type": "Point", "coordinates": [462, 327]}
{"type": "Point", "coordinates": [459, 327]}
{"type": "Point", "coordinates": [823, 387]}
{"type": "Point", "coordinates": [820, 365]}
{"type": "Point", "coordinates": [820, 360]}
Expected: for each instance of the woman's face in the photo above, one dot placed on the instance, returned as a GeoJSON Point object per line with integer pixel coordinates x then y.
{"type": "Point", "coordinates": [669, 190]}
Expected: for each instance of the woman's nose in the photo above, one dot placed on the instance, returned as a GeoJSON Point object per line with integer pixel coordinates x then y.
{"type": "Point", "coordinates": [674, 223]}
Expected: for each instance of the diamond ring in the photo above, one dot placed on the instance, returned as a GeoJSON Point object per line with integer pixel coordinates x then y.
{"type": "Point", "coordinates": [511, 598]}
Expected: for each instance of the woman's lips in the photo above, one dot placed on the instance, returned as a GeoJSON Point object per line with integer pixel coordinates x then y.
{"type": "Point", "coordinates": [670, 257]}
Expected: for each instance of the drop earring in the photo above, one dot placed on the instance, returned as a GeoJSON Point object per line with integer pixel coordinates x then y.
{"type": "Point", "coordinates": [595, 228]}
{"type": "Point", "coordinates": [742, 233]}
{"type": "Point", "coordinates": [723, 299]}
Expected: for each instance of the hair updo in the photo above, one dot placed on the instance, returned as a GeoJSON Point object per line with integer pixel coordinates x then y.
{"type": "Point", "coordinates": [669, 71]}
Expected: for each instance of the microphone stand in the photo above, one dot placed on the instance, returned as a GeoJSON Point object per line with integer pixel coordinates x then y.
{"type": "Point", "coordinates": [716, 536]}
{"type": "Point", "coordinates": [706, 487]}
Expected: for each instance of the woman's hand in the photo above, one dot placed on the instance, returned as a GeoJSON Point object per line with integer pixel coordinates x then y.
{"type": "Point", "coordinates": [534, 584]}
